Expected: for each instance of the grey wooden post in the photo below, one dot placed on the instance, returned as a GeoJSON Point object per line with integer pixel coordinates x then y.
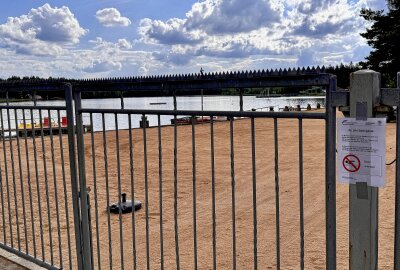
{"type": "Point", "coordinates": [363, 201]}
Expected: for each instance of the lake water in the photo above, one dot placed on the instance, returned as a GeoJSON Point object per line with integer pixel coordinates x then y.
{"type": "Point", "coordinates": [214, 103]}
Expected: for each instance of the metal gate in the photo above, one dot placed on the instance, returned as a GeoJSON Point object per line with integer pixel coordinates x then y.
{"type": "Point", "coordinates": [209, 189]}
{"type": "Point", "coordinates": [38, 191]}
{"type": "Point", "coordinates": [167, 168]}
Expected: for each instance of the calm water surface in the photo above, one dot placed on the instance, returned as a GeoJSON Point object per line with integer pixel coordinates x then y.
{"type": "Point", "coordinates": [214, 103]}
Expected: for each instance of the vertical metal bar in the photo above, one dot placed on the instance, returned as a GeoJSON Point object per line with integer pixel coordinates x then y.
{"type": "Point", "coordinates": [87, 262]}
{"type": "Point", "coordinates": [175, 102]}
{"type": "Point", "coordinates": [146, 190]}
{"type": "Point", "coordinates": [122, 101]}
{"type": "Point", "coordinates": [46, 187]}
{"type": "Point", "coordinates": [107, 190]}
{"type": "Point", "coordinates": [121, 238]}
{"type": "Point", "coordinates": [21, 183]}
{"type": "Point", "coordinates": [214, 225]}
{"type": "Point", "coordinates": [132, 190]}
{"type": "Point", "coordinates": [1, 194]}
{"type": "Point", "coordinates": [277, 211]}
{"type": "Point", "coordinates": [397, 204]}
{"type": "Point", "coordinates": [55, 191]}
{"type": "Point", "coordinates": [13, 175]}
{"type": "Point", "coordinates": [253, 159]}
{"type": "Point", "coordinates": [29, 183]}
{"type": "Point", "coordinates": [202, 100]}
{"type": "Point", "coordinates": [96, 203]}
{"type": "Point", "coordinates": [160, 190]}
{"type": "Point", "coordinates": [6, 176]}
{"type": "Point", "coordinates": [38, 191]}
{"type": "Point", "coordinates": [66, 206]}
{"type": "Point", "coordinates": [2, 208]}
{"type": "Point", "coordinates": [301, 193]}
{"type": "Point", "coordinates": [73, 171]}
{"type": "Point", "coordinates": [194, 191]}
{"type": "Point", "coordinates": [7, 182]}
{"type": "Point", "coordinates": [330, 174]}
{"type": "Point", "coordinates": [176, 189]}
{"type": "Point", "coordinates": [233, 194]}
{"type": "Point", "coordinates": [241, 99]}
{"type": "Point", "coordinates": [90, 230]}
{"type": "Point", "coordinates": [34, 98]}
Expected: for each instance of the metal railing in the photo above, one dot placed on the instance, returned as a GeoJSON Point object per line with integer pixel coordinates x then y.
{"type": "Point", "coordinates": [186, 176]}
{"type": "Point", "coordinates": [36, 203]}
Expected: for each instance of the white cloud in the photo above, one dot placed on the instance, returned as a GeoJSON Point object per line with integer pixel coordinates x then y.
{"type": "Point", "coordinates": [124, 44]}
{"type": "Point", "coordinates": [143, 71]}
{"type": "Point", "coordinates": [110, 62]}
{"type": "Point", "coordinates": [43, 31]}
{"type": "Point", "coordinates": [98, 66]}
{"type": "Point", "coordinates": [214, 34]}
{"type": "Point", "coordinates": [103, 45]}
{"type": "Point", "coordinates": [307, 57]}
{"type": "Point", "coordinates": [170, 32]}
{"type": "Point", "coordinates": [173, 57]}
{"type": "Point", "coordinates": [239, 29]}
{"type": "Point", "coordinates": [111, 17]}
{"type": "Point", "coordinates": [319, 18]}
{"type": "Point", "coordinates": [233, 16]}
{"type": "Point", "coordinates": [213, 17]}
{"type": "Point", "coordinates": [105, 56]}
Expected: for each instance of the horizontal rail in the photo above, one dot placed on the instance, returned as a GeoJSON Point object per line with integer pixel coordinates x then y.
{"type": "Point", "coordinates": [33, 86]}
{"type": "Point", "coordinates": [340, 98]}
{"type": "Point", "coordinates": [390, 96]}
{"type": "Point", "coordinates": [32, 107]}
{"type": "Point", "coordinates": [304, 115]}
{"type": "Point", "coordinates": [27, 257]}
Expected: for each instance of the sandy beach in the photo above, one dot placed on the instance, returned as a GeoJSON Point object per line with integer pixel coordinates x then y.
{"type": "Point", "coordinates": [314, 197]}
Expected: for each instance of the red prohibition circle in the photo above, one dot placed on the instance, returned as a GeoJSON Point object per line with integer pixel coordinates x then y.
{"type": "Point", "coordinates": [351, 163]}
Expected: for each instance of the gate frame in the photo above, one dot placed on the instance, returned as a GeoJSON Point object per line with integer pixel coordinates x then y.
{"type": "Point", "coordinates": [333, 99]}
{"type": "Point", "coordinates": [44, 85]}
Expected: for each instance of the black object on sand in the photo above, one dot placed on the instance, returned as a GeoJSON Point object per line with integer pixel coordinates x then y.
{"type": "Point", "coordinates": [126, 206]}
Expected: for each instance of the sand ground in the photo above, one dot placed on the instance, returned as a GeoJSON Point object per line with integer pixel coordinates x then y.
{"type": "Point", "coordinates": [56, 240]}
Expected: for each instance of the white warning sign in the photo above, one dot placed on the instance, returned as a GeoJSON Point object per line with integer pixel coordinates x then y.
{"type": "Point", "coordinates": [362, 151]}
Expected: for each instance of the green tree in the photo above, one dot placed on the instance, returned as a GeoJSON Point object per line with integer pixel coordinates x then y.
{"type": "Point", "coordinates": [384, 37]}
{"type": "Point", "coordinates": [342, 72]}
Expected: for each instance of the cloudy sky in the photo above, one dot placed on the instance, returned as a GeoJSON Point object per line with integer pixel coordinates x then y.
{"type": "Point", "coordinates": [102, 38]}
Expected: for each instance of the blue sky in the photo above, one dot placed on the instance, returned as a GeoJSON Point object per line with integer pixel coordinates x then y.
{"type": "Point", "coordinates": [104, 38]}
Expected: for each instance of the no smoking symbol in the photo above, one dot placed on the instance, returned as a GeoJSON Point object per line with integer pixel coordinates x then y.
{"type": "Point", "coordinates": [351, 163]}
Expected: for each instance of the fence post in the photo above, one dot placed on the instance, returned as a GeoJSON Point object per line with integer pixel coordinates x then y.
{"type": "Point", "coordinates": [330, 174]}
{"type": "Point", "coordinates": [73, 172]}
{"type": "Point", "coordinates": [363, 199]}
{"type": "Point", "coordinates": [85, 231]}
